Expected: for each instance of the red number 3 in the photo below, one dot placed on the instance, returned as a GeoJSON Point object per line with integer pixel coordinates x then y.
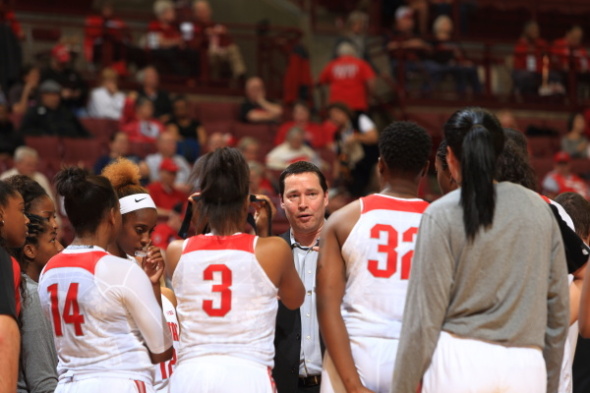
{"type": "Point", "coordinates": [223, 289]}
{"type": "Point", "coordinates": [390, 250]}
{"type": "Point", "coordinates": [71, 313]}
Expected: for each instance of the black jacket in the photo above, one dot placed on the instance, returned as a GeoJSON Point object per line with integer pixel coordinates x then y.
{"type": "Point", "coordinates": [287, 345]}
{"type": "Point", "coordinates": [40, 121]}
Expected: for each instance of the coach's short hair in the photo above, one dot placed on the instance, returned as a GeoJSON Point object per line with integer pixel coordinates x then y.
{"type": "Point", "coordinates": [301, 167]}
{"type": "Point", "coordinates": [404, 146]}
{"type": "Point", "coordinates": [579, 210]}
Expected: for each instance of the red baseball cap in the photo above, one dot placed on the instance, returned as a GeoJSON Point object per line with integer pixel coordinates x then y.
{"type": "Point", "coordinates": [169, 165]}
{"type": "Point", "coordinates": [562, 157]}
{"type": "Point", "coordinates": [61, 53]}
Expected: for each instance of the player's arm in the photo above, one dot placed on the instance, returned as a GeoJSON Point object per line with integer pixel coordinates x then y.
{"type": "Point", "coordinates": [9, 353]}
{"type": "Point", "coordinates": [147, 313]}
{"type": "Point", "coordinates": [173, 253]}
{"type": "Point", "coordinates": [330, 285]}
{"type": "Point", "coordinates": [557, 312]}
{"type": "Point", "coordinates": [276, 258]}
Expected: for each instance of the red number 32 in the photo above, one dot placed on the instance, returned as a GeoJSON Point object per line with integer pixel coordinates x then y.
{"type": "Point", "coordinates": [223, 288]}
{"type": "Point", "coordinates": [71, 313]}
{"type": "Point", "coordinates": [389, 248]}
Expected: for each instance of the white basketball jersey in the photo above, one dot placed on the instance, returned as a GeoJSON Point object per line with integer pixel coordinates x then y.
{"type": "Point", "coordinates": [226, 302]}
{"type": "Point", "coordinates": [164, 370]}
{"type": "Point", "coordinates": [378, 255]}
{"type": "Point", "coordinates": [103, 314]}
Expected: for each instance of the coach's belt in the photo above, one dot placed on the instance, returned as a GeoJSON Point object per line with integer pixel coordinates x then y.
{"type": "Point", "coordinates": [311, 380]}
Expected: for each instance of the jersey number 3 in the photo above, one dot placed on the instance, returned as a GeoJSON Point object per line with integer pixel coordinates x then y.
{"type": "Point", "coordinates": [390, 250]}
{"type": "Point", "coordinates": [223, 288]}
{"type": "Point", "coordinates": [71, 312]}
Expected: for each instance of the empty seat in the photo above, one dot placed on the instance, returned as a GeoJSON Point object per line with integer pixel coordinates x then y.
{"type": "Point", "coordinates": [543, 146]}
{"type": "Point", "coordinates": [83, 152]}
{"type": "Point", "coordinates": [48, 147]}
{"type": "Point", "coordinates": [217, 111]}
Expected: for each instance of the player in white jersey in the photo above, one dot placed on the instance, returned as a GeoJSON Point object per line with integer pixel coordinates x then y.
{"type": "Point", "coordinates": [227, 283]}
{"type": "Point", "coordinates": [364, 266]}
{"type": "Point", "coordinates": [107, 323]}
{"type": "Point", "coordinates": [139, 218]}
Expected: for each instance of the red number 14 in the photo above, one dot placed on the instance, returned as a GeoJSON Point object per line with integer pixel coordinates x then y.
{"type": "Point", "coordinates": [71, 313]}
{"type": "Point", "coordinates": [389, 248]}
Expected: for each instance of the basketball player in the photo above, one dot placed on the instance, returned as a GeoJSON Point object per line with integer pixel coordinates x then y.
{"type": "Point", "coordinates": [139, 218]}
{"type": "Point", "coordinates": [227, 283]}
{"type": "Point", "coordinates": [107, 323]}
{"type": "Point", "coordinates": [364, 265]}
{"type": "Point", "coordinates": [487, 305]}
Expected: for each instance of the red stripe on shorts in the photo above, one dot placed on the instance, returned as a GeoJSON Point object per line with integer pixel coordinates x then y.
{"type": "Point", "coordinates": [140, 386]}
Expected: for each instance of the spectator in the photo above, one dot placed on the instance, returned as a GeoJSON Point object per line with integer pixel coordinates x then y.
{"type": "Point", "coordinates": [107, 101]}
{"type": "Point", "coordinates": [166, 232]}
{"type": "Point", "coordinates": [356, 146]}
{"type": "Point", "coordinates": [50, 116]}
{"type": "Point", "coordinates": [290, 151]}
{"type": "Point", "coordinates": [138, 120]}
{"type": "Point", "coordinates": [402, 44]}
{"type": "Point", "coordinates": [189, 132]}
{"type": "Point", "coordinates": [74, 89]}
{"type": "Point", "coordinates": [250, 148]}
{"type": "Point", "coordinates": [259, 184]}
{"type": "Point", "coordinates": [529, 51]}
{"type": "Point", "coordinates": [10, 139]}
{"type": "Point", "coordinates": [216, 42]}
{"type": "Point", "coordinates": [256, 108]}
{"type": "Point", "coordinates": [569, 54]}
{"type": "Point", "coordinates": [118, 147]}
{"type": "Point", "coordinates": [218, 140]}
{"type": "Point", "coordinates": [11, 34]}
{"type": "Point", "coordinates": [150, 80]}
{"type": "Point", "coordinates": [575, 143]}
{"type": "Point", "coordinates": [163, 190]}
{"type": "Point", "coordinates": [26, 162]}
{"type": "Point", "coordinates": [338, 197]}
{"type": "Point", "coordinates": [315, 134]}
{"type": "Point", "coordinates": [166, 43]}
{"type": "Point", "coordinates": [356, 35]}
{"type": "Point", "coordinates": [23, 94]}
{"type": "Point", "coordinates": [561, 179]}
{"type": "Point", "coordinates": [507, 119]}
{"type": "Point", "coordinates": [449, 58]}
{"type": "Point", "coordinates": [167, 149]}
{"type": "Point", "coordinates": [350, 79]}
{"type": "Point", "coordinates": [106, 31]}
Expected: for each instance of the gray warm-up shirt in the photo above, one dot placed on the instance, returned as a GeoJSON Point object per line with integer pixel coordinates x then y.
{"type": "Point", "coordinates": [38, 358]}
{"type": "Point", "coordinates": [509, 286]}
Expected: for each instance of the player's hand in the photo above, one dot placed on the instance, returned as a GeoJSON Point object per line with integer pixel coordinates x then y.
{"type": "Point", "coordinates": [153, 264]}
{"type": "Point", "coordinates": [361, 389]}
{"type": "Point", "coordinates": [261, 213]}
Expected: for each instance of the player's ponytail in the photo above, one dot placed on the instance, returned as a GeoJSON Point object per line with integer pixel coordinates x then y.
{"type": "Point", "coordinates": [476, 139]}
{"type": "Point", "coordinates": [87, 198]}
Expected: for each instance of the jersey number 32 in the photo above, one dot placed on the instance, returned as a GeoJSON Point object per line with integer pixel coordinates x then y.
{"type": "Point", "coordinates": [390, 250]}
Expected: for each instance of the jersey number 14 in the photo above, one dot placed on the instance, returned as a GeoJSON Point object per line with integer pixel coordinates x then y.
{"type": "Point", "coordinates": [390, 250]}
{"type": "Point", "coordinates": [71, 312]}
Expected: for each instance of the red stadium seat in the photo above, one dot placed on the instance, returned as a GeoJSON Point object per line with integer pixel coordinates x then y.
{"type": "Point", "coordinates": [84, 152]}
{"type": "Point", "coordinates": [217, 111]}
{"type": "Point", "coordinates": [48, 147]}
{"type": "Point", "coordinates": [141, 149]}
{"type": "Point", "coordinates": [542, 146]}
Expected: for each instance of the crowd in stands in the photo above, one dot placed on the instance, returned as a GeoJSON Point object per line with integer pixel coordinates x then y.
{"type": "Point", "coordinates": [162, 132]}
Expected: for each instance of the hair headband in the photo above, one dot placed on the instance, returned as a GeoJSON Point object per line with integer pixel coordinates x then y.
{"type": "Point", "coordinates": [135, 202]}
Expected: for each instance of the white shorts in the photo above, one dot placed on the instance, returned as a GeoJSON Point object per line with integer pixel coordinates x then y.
{"type": "Point", "coordinates": [101, 384]}
{"type": "Point", "coordinates": [221, 374]}
{"type": "Point", "coordinates": [374, 359]}
{"type": "Point", "coordinates": [461, 365]}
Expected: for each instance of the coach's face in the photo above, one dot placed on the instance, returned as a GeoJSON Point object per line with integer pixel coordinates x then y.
{"type": "Point", "coordinates": [304, 202]}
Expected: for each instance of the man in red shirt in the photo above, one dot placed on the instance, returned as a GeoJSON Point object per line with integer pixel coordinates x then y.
{"type": "Point", "coordinates": [350, 79]}
{"type": "Point", "coordinates": [569, 49]}
{"type": "Point", "coordinates": [528, 59]}
{"type": "Point", "coordinates": [561, 179]}
{"type": "Point", "coordinates": [165, 232]}
{"type": "Point", "coordinates": [163, 193]}
{"type": "Point", "coordinates": [315, 134]}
